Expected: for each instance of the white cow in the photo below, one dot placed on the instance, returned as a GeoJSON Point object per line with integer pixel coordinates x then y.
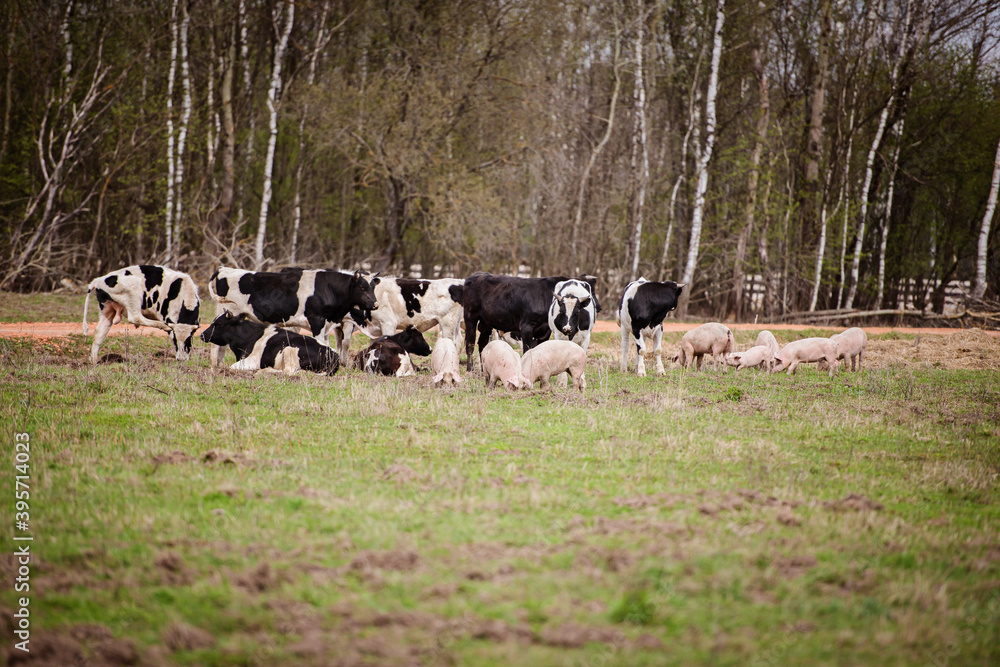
{"type": "Point", "coordinates": [148, 295]}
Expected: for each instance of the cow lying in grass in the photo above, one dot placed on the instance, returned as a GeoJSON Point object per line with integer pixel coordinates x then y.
{"type": "Point", "coordinates": [260, 346]}
{"type": "Point", "coordinates": [152, 296]}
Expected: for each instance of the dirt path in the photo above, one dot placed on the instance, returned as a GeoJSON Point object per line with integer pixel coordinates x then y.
{"type": "Point", "coordinates": [62, 329]}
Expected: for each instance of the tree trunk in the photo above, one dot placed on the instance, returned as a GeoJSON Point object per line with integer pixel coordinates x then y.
{"type": "Point", "coordinates": [273, 100]}
{"type": "Point", "coordinates": [575, 258]}
{"type": "Point", "coordinates": [171, 76]}
{"type": "Point", "coordinates": [639, 142]}
{"type": "Point", "coordinates": [869, 164]}
{"type": "Point", "coordinates": [706, 155]}
{"type": "Point", "coordinates": [845, 188]}
{"type": "Point", "coordinates": [979, 286]}
{"type": "Point", "coordinates": [321, 39]}
{"type": "Point", "coordinates": [182, 131]}
{"type": "Point", "coordinates": [887, 214]}
{"type": "Point", "coordinates": [9, 83]}
{"type": "Point", "coordinates": [251, 116]}
{"type": "Point", "coordinates": [753, 180]}
{"type": "Point", "coordinates": [220, 216]}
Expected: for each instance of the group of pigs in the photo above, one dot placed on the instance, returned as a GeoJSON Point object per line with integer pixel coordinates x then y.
{"type": "Point", "coordinates": [501, 365]}
{"type": "Point", "coordinates": [716, 340]}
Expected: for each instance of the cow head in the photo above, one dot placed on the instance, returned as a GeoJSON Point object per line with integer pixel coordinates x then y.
{"type": "Point", "coordinates": [180, 338]}
{"type": "Point", "coordinates": [362, 292]}
{"type": "Point", "coordinates": [220, 332]}
{"type": "Point", "coordinates": [572, 306]}
{"type": "Point", "coordinates": [411, 340]}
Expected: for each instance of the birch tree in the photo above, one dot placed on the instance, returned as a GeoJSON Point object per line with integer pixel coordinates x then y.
{"type": "Point", "coordinates": [182, 131]}
{"type": "Point", "coordinates": [979, 285]}
{"type": "Point", "coordinates": [706, 155]}
{"type": "Point", "coordinates": [171, 165]}
{"type": "Point", "coordinates": [887, 213]}
{"type": "Point", "coordinates": [872, 153]}
{"type": "Point", "coordinates": [640, 149]}
{"type": "Point", "coordinates": [273, 99]}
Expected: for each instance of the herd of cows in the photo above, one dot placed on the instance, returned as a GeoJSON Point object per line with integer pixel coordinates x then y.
{"type": "Point", "coordinates": [257, 313]}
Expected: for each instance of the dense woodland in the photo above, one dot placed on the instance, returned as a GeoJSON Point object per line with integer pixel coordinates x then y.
{"type": "Point", "coordinates": [837, 153]}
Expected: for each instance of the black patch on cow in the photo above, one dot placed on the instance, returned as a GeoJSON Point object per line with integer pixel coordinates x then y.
{"type": "Point", "coordinates": [102, 298]}
{"type": "Point", "coordinates": [584, 322]}
{"type": "Point", "coordinates": [146, 303]}
{"type": "Point", "coordinates": [152, 274]}
{"type": "Point", "coordinates": [412, 289]}
{"type": "Point", "coordinates": [272, 296]}
{"type": "Point", "coordinates": [650, 304]}
{"type": "Point", "coordinates": [127, 272]}
{"type": "Point", "coordinates": [188, 315]}
{"type": "Point", "coordinates": [155, 296]}
{"type": "Point", "coordinates": [456, 291]}
{"type": "Point", "coordinates": [383, 357]}
{"type": "Point", "coordinates": [239, 333]}
{"type": "Point", "coordinates": [221, 284]}
{"type": "Point", "coordinates": [411, 340]}
{"type": "Point", "coordinates": [172, 293]}
{"type": "Point", "coordinates": [111, 280]}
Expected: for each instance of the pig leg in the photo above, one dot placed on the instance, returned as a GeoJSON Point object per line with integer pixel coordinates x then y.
{"type": "Point", "coordinates": [579, 380]}
{"type": "Point", "coordinates": [834, 365]}
{"type": "Point", "coordinates": [792, 366]}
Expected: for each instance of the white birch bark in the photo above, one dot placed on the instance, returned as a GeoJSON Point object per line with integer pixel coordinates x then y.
{"type": "Point", "coordinates": [887, 215]}
{"type": "Point", "coordinates": [171, 76]}
{"type": "Point", "coordinates": [182, 130]}
{"type": "Point", "coordinates": [640, 139]}
{"type": "Point", "coordinates": [821, 249]}
{"type": "Point", "coordinates": [873, 151]}
{"type": "Point", "coordinates": [273, 98]}
{"type": "Point", "coordinates": [845, 187]}
{"type": "Point", "coordinates": [212, 127]}
{"type": "Point", "coordinates": [706, 154]}
{"type": "Point", "coordinates": [979, 286]}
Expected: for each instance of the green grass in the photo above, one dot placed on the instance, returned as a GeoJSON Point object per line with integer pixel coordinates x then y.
{"type": "Point", "coordinates": [16, 307]}
{"type": "Point", "coordinates": [691, 518]}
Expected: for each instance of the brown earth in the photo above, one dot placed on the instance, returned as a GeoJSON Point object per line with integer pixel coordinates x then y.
{"type": "Point", "coordinates": [60, 329]}
{"type": "Point", "coordinates": [975, 349]}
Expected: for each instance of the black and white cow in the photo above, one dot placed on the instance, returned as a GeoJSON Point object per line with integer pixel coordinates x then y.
{"type": "Point", "coordinates": [640, 315]}
{"type": "Point", "coordinates": [574, 310]}
{"type": "Point", "coordinates": [307, 298]}
{"type": "Point", "coordinates": [409, 301]}
{"type": "Point", "coordinates": [153, 296]}
{"type": "Point", "coordinates": [507, 303]}
{"type": "Point", "coordinates": [386, 357]}
{"type": "Point", "coordinates": [409, 339]}
{"type": "Point", "coordinates": [259, 346]}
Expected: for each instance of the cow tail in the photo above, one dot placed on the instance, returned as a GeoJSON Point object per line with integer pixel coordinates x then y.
{"type": "Point", "coordinates": [86, 304]}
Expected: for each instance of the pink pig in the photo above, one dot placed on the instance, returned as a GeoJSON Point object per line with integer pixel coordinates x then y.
{"type": "Point", "coordinates": [551, 358]}
{"type": "Point", "coordinates": [444, 362]}
{"type": "Point", "coordinates": [807, 350]}
{"type": "Point", "coordinates": [501, 364]}
{"type": "Point", "coordinates": [752, 358]}
{"type": "Point", "coordinates": [767, 338]}
{"type": "Point", "coordinates": [851, 343]}
{"type": "Point", "coordinates": [713, 338]}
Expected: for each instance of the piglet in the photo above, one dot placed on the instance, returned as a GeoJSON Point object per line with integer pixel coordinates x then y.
{"type": "Point", "coordinates": [501, 364]}
{"type": "Point", "coordinates": [444, 362]}
{"type": "Point", "coordinates": [851, 343]}
{"type": "Point", "coordinates": [752, 358]}
{"type": "Point", "coordinates": [551, 358]}
{"type": "Point", "coordinates": [767, 338]}
{"type": "Point", "coordinates": [713, 338]}
{"type": "Point", "coordinates": [806, 350]}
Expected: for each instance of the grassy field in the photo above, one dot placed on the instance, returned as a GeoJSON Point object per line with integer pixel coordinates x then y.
{"type": "Point", "coordinates": [190, 518]}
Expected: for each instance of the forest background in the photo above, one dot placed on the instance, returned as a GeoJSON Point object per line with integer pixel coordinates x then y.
{"type": "Point", "coordinates": [815, 153]}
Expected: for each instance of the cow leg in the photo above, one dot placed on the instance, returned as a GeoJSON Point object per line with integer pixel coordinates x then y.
{"type": "Point", "coordinates": [623, 365]}
{"type": "Point", "coordinates": [344, 334]}
{"type": "Point", "coordinates": [640, 356]}
{"type": "Point", "coordinates": [657, 344]}
{"type": "Point", "coordinates": [470, 343]}
{"type": "Point", "coordinates": [216, 356]}
{"type": "Point", "coordinates": [107, 316]}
